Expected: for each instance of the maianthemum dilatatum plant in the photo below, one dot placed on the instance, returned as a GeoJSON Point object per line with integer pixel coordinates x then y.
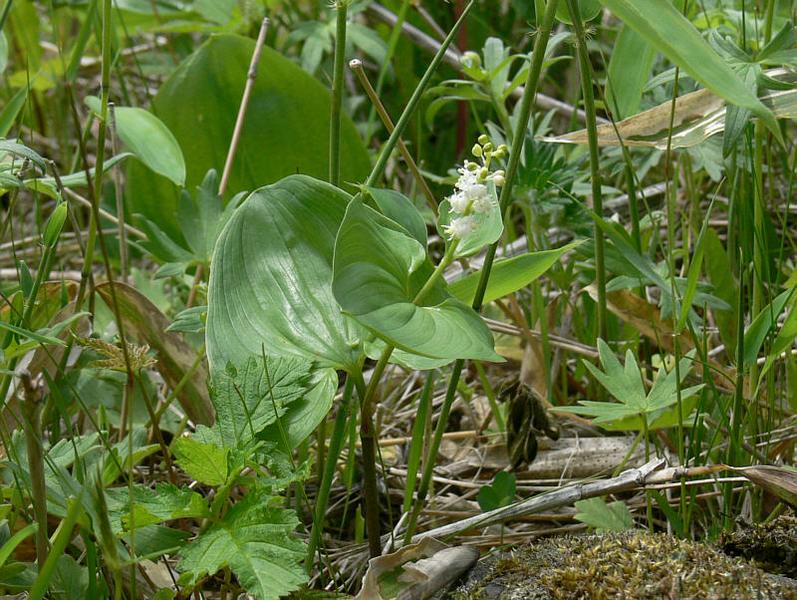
{"type": "Point", "coordinates": [307, 270]}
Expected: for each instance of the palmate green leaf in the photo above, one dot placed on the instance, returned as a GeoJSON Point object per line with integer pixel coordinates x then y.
{"type": "Point", "coordinates": [662, 25]}
{"type": "Point", "coordinates": [270, 279]}
{"type": "Point", "coordinates": [254, 539]}
{"type": "Point", "coordinates": [287, 126]}
{"type": "Point", "coordinates": [148, 139]}
{"type": "Point", "coordinates": [604, 517]}
{"type": "Point", "coordinates": [509, 275]}
{"type": "Point", "coordinates": [634, 408]}
{"type": "Point", "coordinates": [376, 254]}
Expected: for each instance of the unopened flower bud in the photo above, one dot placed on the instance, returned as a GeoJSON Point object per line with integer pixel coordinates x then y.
{"type": "Point", "coordinates": [55, 224]}
{"type": "Point", "coordinates": [471, 166]}
{"type": "Point", "coordinates": [476, 151]}
{"type": "Point", "coordinates": [488, 147]}
{"type": "Point", "coordinates": [471, 59]}
{"type": "Point", "coordinates": [484, 139]}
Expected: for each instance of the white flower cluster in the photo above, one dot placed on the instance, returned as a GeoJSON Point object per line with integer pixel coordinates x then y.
{"type": "Point", "coordinates": [472, 195]}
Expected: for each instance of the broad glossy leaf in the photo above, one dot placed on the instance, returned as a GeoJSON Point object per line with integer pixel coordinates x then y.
{"type": "Point", "coordinates": [397, 207]}
{"type": "Point", "coordinates": [663, 26]}
{"type": "Point", "coordinates": [271, 279]}
{"type": "Point", "coordinates": [509, 275]}
{"type": "Point", "coordinates": [378, 271]}
{"type": "Point", "coordinates": [286, 132]}
{"type": "Point", "coordinates": [148, 139]}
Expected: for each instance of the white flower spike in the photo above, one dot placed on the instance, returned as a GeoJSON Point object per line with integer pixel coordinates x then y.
{"type": "Point", "coordinates": [461, 227]}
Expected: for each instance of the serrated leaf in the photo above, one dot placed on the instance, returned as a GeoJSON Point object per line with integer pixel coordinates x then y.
{"type": "Point", "coordinates": [248, 398]}
{"type": "Point", "coordinates": [150, 506]}
{"type": "Point", "coordinates": [604, 517]}
{"type": "Point", "coordinates": [255, 540]}
{"type": "Point", "coordinates": [205, 462]}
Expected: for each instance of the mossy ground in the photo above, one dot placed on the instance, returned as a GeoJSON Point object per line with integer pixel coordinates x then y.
{"type": "Point", "coordinates": [772, 545]}
{"type": "Point", "coordinates": [633, 564]}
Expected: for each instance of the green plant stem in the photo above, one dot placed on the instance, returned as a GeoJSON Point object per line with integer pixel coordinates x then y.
{"type": "Point", "coordinates": [428, 467]}
{"type": "Point", "coordinates": [61, 538]}
{"type": "Point", "coordinates": [335, 447]}
{"type": "Point", "coordinates": [367, 427]}
{"type": "Point", "coordinates": [406, 115]}
{"type": "Point", "coordinates": [337, 92]}
{"type": "Point", "coordinates": [4, 14]}
{"type": "Point", "coordinates": [585, 69]}
{"type": "Point", "coordinates": [392, 44]}
{"type": "Point", "coordinates": [33, 441]}
{"type": "Point", "coordinates": [357, 67]}
{"type": "Point", "coordinates": [418, 438]}
{"type": "Point", "coordinates": [99, 166]}
{"type": "Point", "coordinates": [524, 115]}
{"type": "Point", "coordinates": [368, 448]}
{"type": "Point", "coordinates": [438, 272]}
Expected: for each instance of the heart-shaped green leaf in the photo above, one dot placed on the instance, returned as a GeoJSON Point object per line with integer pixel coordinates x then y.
{"type": "Point", "coordinates": [397, 207]}
{"type": "Point", "coordinates": [287, 126]}
{"type": "Point", "coordinates": [270, 279]}
{"type": "Point", "coordinates": [379, 269]}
